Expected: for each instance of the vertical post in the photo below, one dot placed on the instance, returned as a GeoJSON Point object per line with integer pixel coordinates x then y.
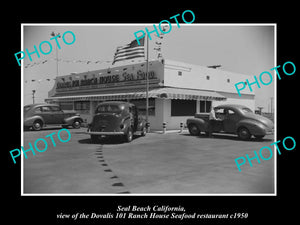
{"type": "Point", "coordinates": [33, 92]}
{"type": "Point", "coordinates": [272, 105]}
{"type": "Point", "coordinates": [147, 87]}
{"type": "Point", "coordinates": [56, 62]}
{"type": "Point", "coordinates": [53, 34]}
{"type": "Point", "coordinates": [164, 127]}
{"type": "Point", "coordinates": [181, 127]}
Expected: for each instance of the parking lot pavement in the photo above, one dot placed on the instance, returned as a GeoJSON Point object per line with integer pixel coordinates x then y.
{"type": "Point", "coordinates": [172, 163]}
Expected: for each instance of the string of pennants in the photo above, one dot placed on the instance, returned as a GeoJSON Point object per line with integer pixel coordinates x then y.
{"type": "Point", "coordinates": [158, 43]}
{"type": "Point", "coordinates": [59, 60]}
{"type": "Point", "coordinates": [66, 61]}
{"type": "Point", "coordinates": [39, 80]}
{"type": "Point", "coordinates": [157, 48]}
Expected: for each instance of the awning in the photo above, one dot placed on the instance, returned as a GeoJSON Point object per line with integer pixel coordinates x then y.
{"type": "Point", "coordinates": [186, 94]}
{"type": "Point", "coordinates": [165, 92]}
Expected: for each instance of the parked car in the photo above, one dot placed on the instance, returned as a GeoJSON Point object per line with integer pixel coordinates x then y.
{"type": "Point", "coordinates": [116, 118]}
{"type": "Point", "coordinates": [40, 115]}
{"type": "Point", "coordinates": [234, 119]}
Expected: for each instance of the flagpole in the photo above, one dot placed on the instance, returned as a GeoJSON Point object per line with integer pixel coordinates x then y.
{"type": "Point", "coordinates": [147, 87]}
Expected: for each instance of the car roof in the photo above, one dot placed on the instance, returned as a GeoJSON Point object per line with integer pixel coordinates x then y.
{"type": "Point", "coordinates": [231, 106]}
{"type": "Point", "coordinates": [40, 104]}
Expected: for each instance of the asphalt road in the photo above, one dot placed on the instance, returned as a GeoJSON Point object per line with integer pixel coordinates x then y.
{"type": "Point", "coordinates": [173, 163]}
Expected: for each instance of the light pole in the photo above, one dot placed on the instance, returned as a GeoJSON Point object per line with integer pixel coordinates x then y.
{"type": "Point", "coordinates": [33, 92]}
{"type": "Point", "coordinates": [147, 88]}
{"type": "Point", "coordinates": [272, 105]}
{"type": "Point", "coordinates": [53, 34]}
{"type": "Point", "coordinates": [260, 110]}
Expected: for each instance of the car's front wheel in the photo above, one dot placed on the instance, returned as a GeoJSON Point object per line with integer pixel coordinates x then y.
{"type": "Point", "coordinates": [37, 125]}
{"type": "Point", "coordinates": [193, 129]}
{"type": "Point", "coordinates": [76, 124]}
{"type": "Point", "coordinates": [244, 133]}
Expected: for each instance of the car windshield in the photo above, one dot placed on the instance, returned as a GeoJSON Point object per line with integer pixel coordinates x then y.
{"type": "Point", "coordinates": [108, 108]}
{"type": "Point", "coordinates": [247, 110]}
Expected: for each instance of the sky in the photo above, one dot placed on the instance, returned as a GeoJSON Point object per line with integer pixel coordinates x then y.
{"type": "Point", "coordinates": [239, 48]}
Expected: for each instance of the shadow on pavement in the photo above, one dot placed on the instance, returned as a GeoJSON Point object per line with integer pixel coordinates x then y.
{"type": "Point", "coordinates": [107, 140]}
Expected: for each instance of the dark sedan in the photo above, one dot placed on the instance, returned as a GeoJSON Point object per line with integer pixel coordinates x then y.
{"type": "Point", "coordinates": [37, 116]}
{"type": "Point", "coordinates": [116, 118]}
{"type": "Point", "coordinates": [233, 119]}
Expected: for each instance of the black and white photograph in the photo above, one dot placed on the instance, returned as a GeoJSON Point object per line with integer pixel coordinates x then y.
{"type": "Point", "coordinates": [149, 113]}
{"type": "Point", "coordinates": [186, 128]}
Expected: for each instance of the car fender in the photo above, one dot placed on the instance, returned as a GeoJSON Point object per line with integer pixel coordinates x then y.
{"type": "Point", "coordinates": [254, 126]}
{"type": "Point", "coordinates": [29, 121]}
{"type": "Point", "coordinates": [70, 120]}
{"type": "Point", "coordinates": [201, 123]}
{"type": "Point", "coordinates": [141, 124]}
{"type": "Point", "coordinates": [126, 122]}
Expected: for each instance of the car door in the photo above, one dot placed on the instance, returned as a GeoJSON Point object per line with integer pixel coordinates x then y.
{"type": "Point", "coordinates": [220, 115]}
{"type": "Point", "coordinates": [38, 112]}
{"type": "Point", "coordinates": [230, 120]}
{"type": "Point", "coordinates": [46, 114]}
{"type": "Point", "coordinates": [57, 116]}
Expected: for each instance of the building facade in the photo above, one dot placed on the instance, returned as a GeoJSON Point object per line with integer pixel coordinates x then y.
{"type": "Point", "coordinates": [177, 90]}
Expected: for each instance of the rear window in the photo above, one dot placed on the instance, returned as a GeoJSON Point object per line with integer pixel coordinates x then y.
{"type": "Point", "coordinates": [26, 108]}
{"type": "Point", "coordinates": [108, 108]}
{"type": "Point", "coordinates": [247, 110]}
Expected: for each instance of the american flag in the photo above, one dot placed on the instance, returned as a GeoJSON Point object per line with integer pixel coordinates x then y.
{"type": "Point", "coordinates": [130, 51]}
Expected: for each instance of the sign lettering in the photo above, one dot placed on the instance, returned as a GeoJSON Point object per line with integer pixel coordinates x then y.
{"type": "Point", "coordinates": [107, 79]}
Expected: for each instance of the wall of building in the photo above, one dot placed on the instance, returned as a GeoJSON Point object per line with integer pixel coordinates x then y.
{"type": "Point", "coordinates": [156, 121]}
{"type": "Point", "coordinates": [184, 75]}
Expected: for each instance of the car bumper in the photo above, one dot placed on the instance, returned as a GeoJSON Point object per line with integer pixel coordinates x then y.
{"type": "Point", "coordinates": [270, 132]}
{"type": "Point", "coordinates": [262, 132]}
{"type": "Point", "coordinates": [105, 133]}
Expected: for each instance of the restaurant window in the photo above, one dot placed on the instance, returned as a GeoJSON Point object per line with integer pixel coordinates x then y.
{"type": "Point", "coordinates": [205, 106]}
{"type": "Point", "coordinates": [141, 106]}
{"type": "Point", "coordinates": [183, 107]}
{"type": "Point", "coordinates": [66, 105]}
{"type": "Point", "coordinates": [82, 105]}
{"type": "Point", "coordinates": [179, 73]}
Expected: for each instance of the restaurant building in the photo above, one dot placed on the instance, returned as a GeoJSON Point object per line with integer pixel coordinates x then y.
{"type": "Point", "coordinates": [177, 90]}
